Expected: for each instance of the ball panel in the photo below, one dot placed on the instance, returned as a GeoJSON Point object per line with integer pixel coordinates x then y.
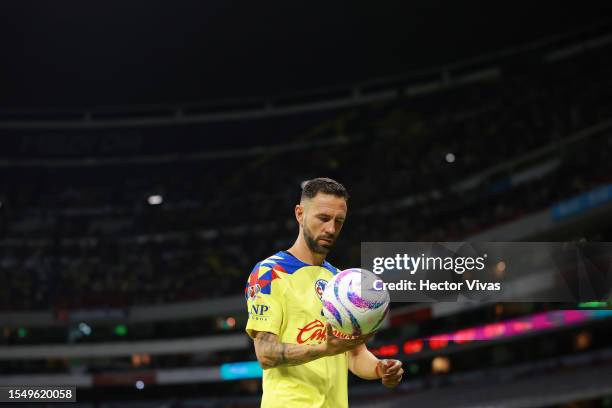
{"type": "Point", "coordinates": [356, 327]}
{"type": "Point", "coordinates": [350, 309]}
{"type": "Point", "coordinates": [361, 302]}
{"type": "Point", "coordinates": [329, 307]}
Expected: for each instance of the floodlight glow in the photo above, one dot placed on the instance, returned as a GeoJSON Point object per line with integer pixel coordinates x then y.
{"type": "Point", "coordinates": [155, 199]}
{"type": "Point", "coordinates": [85, 329]}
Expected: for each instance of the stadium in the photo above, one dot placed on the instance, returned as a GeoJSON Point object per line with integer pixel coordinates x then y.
{"type": "Point", "coordinates": [151, 155]}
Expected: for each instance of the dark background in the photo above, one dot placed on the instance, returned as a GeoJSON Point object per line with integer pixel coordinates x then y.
{"type": "Point", "coordinates": [74, 53]}
{"type": "Point", "coordinates": [221, 109]}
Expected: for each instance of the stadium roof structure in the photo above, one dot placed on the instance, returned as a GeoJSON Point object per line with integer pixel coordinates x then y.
{"type": "Point", "coordinates": [77, 54]}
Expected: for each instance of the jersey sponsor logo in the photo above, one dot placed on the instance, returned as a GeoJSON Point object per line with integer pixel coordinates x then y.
{"type": "Point", "coordinates": [320, 287]}
{"type": "Point", "coordinates": [253, 291]}
{"type": "Point", "coordinates": [315, 331]}
{"type": "Point", "coordinates": [258, 312]}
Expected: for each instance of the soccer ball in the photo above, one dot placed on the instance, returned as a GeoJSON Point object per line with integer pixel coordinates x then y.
{"type": "Point", "coordinates": [350, 309]}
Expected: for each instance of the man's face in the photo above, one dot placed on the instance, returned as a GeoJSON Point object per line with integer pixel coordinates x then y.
{"type": "Point", "coordinates": [321, 219]}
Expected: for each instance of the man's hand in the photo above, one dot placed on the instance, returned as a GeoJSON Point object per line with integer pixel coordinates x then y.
{"type": "Point", "coordinates": [335, 345]}
{"type": "Point", "coordinates": [391, 372]}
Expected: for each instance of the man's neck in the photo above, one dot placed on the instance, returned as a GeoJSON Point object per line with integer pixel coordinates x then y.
{"type": "Point", "coordinates": [301, 251]}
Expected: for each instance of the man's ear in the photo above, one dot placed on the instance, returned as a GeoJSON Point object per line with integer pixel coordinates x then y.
{"type": "Point", "coordinates": [299, 214]}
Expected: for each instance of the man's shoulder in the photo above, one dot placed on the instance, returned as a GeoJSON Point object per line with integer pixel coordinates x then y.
{"type": "Point", "coordinates": [284, 263]}
{"type": "Point", "coordinates": [280, 262]}
{"type": "Point", "coordinates": [270, 262]}
{"type": "Point", "coordinates": [262, 275]}
{"type": "Point", "coordinates": [330, 267]}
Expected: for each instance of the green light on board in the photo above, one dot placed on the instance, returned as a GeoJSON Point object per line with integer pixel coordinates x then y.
{"type": "Point", "coordinates": [592, 304]}
{"type": "Point", "coordinates": [121, 330]}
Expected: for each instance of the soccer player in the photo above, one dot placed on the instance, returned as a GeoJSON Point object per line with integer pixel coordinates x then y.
{"type": "Point", "coordinates": [305, 361]}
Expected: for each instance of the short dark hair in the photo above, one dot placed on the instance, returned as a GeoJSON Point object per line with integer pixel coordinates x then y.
{"type": "Point", "coordinates": [310, 188]}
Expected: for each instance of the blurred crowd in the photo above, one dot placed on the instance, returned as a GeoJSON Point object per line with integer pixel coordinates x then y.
{"type": "Point", "coordinates": [91, 236]}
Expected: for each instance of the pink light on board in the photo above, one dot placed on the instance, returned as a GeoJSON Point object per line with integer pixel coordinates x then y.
{"type": "Point", "coordinates": [464, 336]}
{"type": "Point", "coordinates": [574, 316]}
{"type": "Point", "coordinates": [494, 330]}
{"type": "Point", "coordinates": [509, 328]}
{"type": "Point", "coordinates": [520, 326]}
{"type": "Point", "coordinates": [542, 321]}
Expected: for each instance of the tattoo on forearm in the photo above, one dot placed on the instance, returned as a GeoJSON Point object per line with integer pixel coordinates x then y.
{"type": "Point", "coordinates": [283, 357]}
{"type": "Point", "coordinates": [276, 354]}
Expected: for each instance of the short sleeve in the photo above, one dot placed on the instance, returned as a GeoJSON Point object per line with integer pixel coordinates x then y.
{"type": "Point", "coordinates": [264, 306]}
{"type": "Point", "coordinates": [265, 314]}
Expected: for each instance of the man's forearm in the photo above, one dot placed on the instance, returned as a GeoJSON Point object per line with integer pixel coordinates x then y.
{"type": "Point", "coordinates": [271, 353]}
{"type": "Point", "coordinates": [363, 363]}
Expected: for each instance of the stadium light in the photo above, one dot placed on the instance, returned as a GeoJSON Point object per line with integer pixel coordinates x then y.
{"type": "Point", "coordinates": [438, 342]}
{"type": "Point", "coordinates": [587, 305]}
{"type": "Point", "coordinates": [450, 158]}
{"type": "Point", "coordinates": [139, 384]}
{"type": "Point", "coordinates": [155, 199]}
{"type": "Point", "coordinates": [85, 329]}
{"type": "Point", "coordinates": [226, 323]}
{"type": "Point", "coordinates": [582, 340]}
{"type": "Point", "coordinates": [440, 365]}
{"type": "Point", "coordinates": [121, 330]}
{"type": "Point", "coordinates": [388, 350]}
{"type": "Point", "coordinates": [413, 346]}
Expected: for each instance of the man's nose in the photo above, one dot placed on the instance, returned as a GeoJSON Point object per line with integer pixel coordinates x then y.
{"type": "Point", "coordinates": [330, 227]}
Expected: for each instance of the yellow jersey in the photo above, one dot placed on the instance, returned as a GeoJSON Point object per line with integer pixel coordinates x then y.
{"type": "Point", "coordinates": [284, 297]}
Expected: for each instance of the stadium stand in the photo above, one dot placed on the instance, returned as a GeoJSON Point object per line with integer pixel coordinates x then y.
{"type": "Point", "coordinates": [172, 226]}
